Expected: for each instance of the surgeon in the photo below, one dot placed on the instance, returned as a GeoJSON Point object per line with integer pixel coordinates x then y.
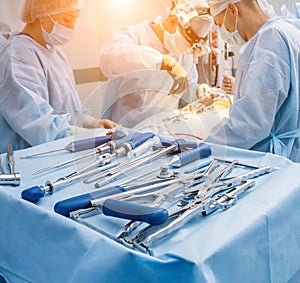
{"type": "Point", "coordinates": [39, 102]}
{"type": "Point", "coordinates": [172, 44]}
{"type": "Point", "coordinates": [265, 114]}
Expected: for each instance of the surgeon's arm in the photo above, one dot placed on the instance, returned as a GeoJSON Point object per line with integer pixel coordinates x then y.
{"type": "Point", "coordinates": [178, 73]}
{"type": "Point", "coordinates": [126, 52]}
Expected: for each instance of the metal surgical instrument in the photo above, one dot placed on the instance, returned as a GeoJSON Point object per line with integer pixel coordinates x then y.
{"type": "Point", "coordinates": [77, 145]}
{"type": "Point", "coordinates": [110, 146]}
{"type": "Point", "coordinates": [197, 203]}
{"type": "Point", "coordinates": [136, 140]}
{"type": "Point", "coordinates": [143, 194]}
{"type": "Point", "coordinates": [10, 158]}
{"type": "Point", "coordinates": [33, 194]}
{"type": "Point", "coordinates": [120, 204]}
{"type": "Point", "coordinates": [66, 206]}
{"type": "Point", "coordinates": [176, 145]}
{"type": "Point", "coordinates": [12, 178]}
{"type": "Point", "coordinates": [144, 147]}
{"type": "Point", "coordinates": [188, 156]}
{"type": "Point", "coordinates": [2, 171]}
{"type": "Point", "coordinates": [149, 235]}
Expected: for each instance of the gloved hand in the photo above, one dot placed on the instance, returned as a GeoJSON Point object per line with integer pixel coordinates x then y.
{"type": "Point", "coordinates": [91, 123]}
{"type": "Point", "coordinates": [106, 124]}
{"type": "Point", "coordinates": [177, 72]}
{"type": "Point", "coordinates": [228, 84]}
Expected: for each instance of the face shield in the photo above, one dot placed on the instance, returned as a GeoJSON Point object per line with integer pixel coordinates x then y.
{"type": "Point", "coordinates": [193, 16]}
{"type": "Point", "coordinates": [35, 9]}
{"type": "Point", "coordinates": [217, 6]}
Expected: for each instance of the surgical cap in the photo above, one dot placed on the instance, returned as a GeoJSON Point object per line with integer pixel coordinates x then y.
{"type": "Point", "coordinates": [189, 13]}
{"type": "Point", "coordinates": [35, 9]}
{"type": "Point", "coordinates": [217, 6]}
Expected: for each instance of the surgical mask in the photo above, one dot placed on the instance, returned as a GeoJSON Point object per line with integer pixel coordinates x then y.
{"type": "Point", "coordinates": [60, 34]}
{"type": "Point", "coordinates": [232, 38]}
{"type": "Point", "coordinates": [175, 43]}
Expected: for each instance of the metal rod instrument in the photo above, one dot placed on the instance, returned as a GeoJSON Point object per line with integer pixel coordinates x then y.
{"type": "Point", "coordinates": [76, 145]}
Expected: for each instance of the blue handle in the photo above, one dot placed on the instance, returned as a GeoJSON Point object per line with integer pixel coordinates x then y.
{"type": "Point", "coordinates": [194, 154]}
{"type": "Point", "coordinates": [90, 143]}
{"type": "Point", "coordinates": [181, 144]}
{"type": "Point", "coordinates": [120, 141]}
{"type": "Point", "coordinates": [33, 194]}
{"type": "Point", "coordinates": [190, 155]}
{"type": "Point", "coordinates": [66, 206]}
{"type": "Point", "coordinates": [136, 212]}
{"type": "Point", "coordinates": [118, 134]}
{"type": "Point", "coordinates": [139, 138]}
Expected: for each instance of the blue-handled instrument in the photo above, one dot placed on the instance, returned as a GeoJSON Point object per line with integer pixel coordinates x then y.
{"type": "Point", "coordinates": [77, 145]}
{"type": "Point", "coordinates": [135, 212]}
{"type": "Point", "coordinates": [34, 193]}
{"type": "Point", "coordinates": [176, 145]}
{"type": "Point", "coordinates": [65, 207]}
{"type": "Point", "coordinates": [188, 156]}
{"type": "Point", "coordinates": [136, 140]}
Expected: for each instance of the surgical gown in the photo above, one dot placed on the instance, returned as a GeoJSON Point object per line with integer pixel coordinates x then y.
{"type": "Point", "coordinates": [265, 114]}
{"type": "Point", "coordinates": [38, 99]}
{"type": "Point", "coordinates": [137, 48]}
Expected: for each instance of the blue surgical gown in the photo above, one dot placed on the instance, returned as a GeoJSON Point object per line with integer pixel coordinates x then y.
{"type": "Point", "coordinates": [38, 99]}
{"type": "Point", "coordinates": [265, 114]}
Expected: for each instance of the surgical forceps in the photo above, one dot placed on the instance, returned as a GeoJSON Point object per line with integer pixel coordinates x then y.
{"type": "Point", "coordinates": [192, 206]}
{"type": "Point", "coordinates": [130, 204]}
{"type": "Point", "coordinates": [151, 234]}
